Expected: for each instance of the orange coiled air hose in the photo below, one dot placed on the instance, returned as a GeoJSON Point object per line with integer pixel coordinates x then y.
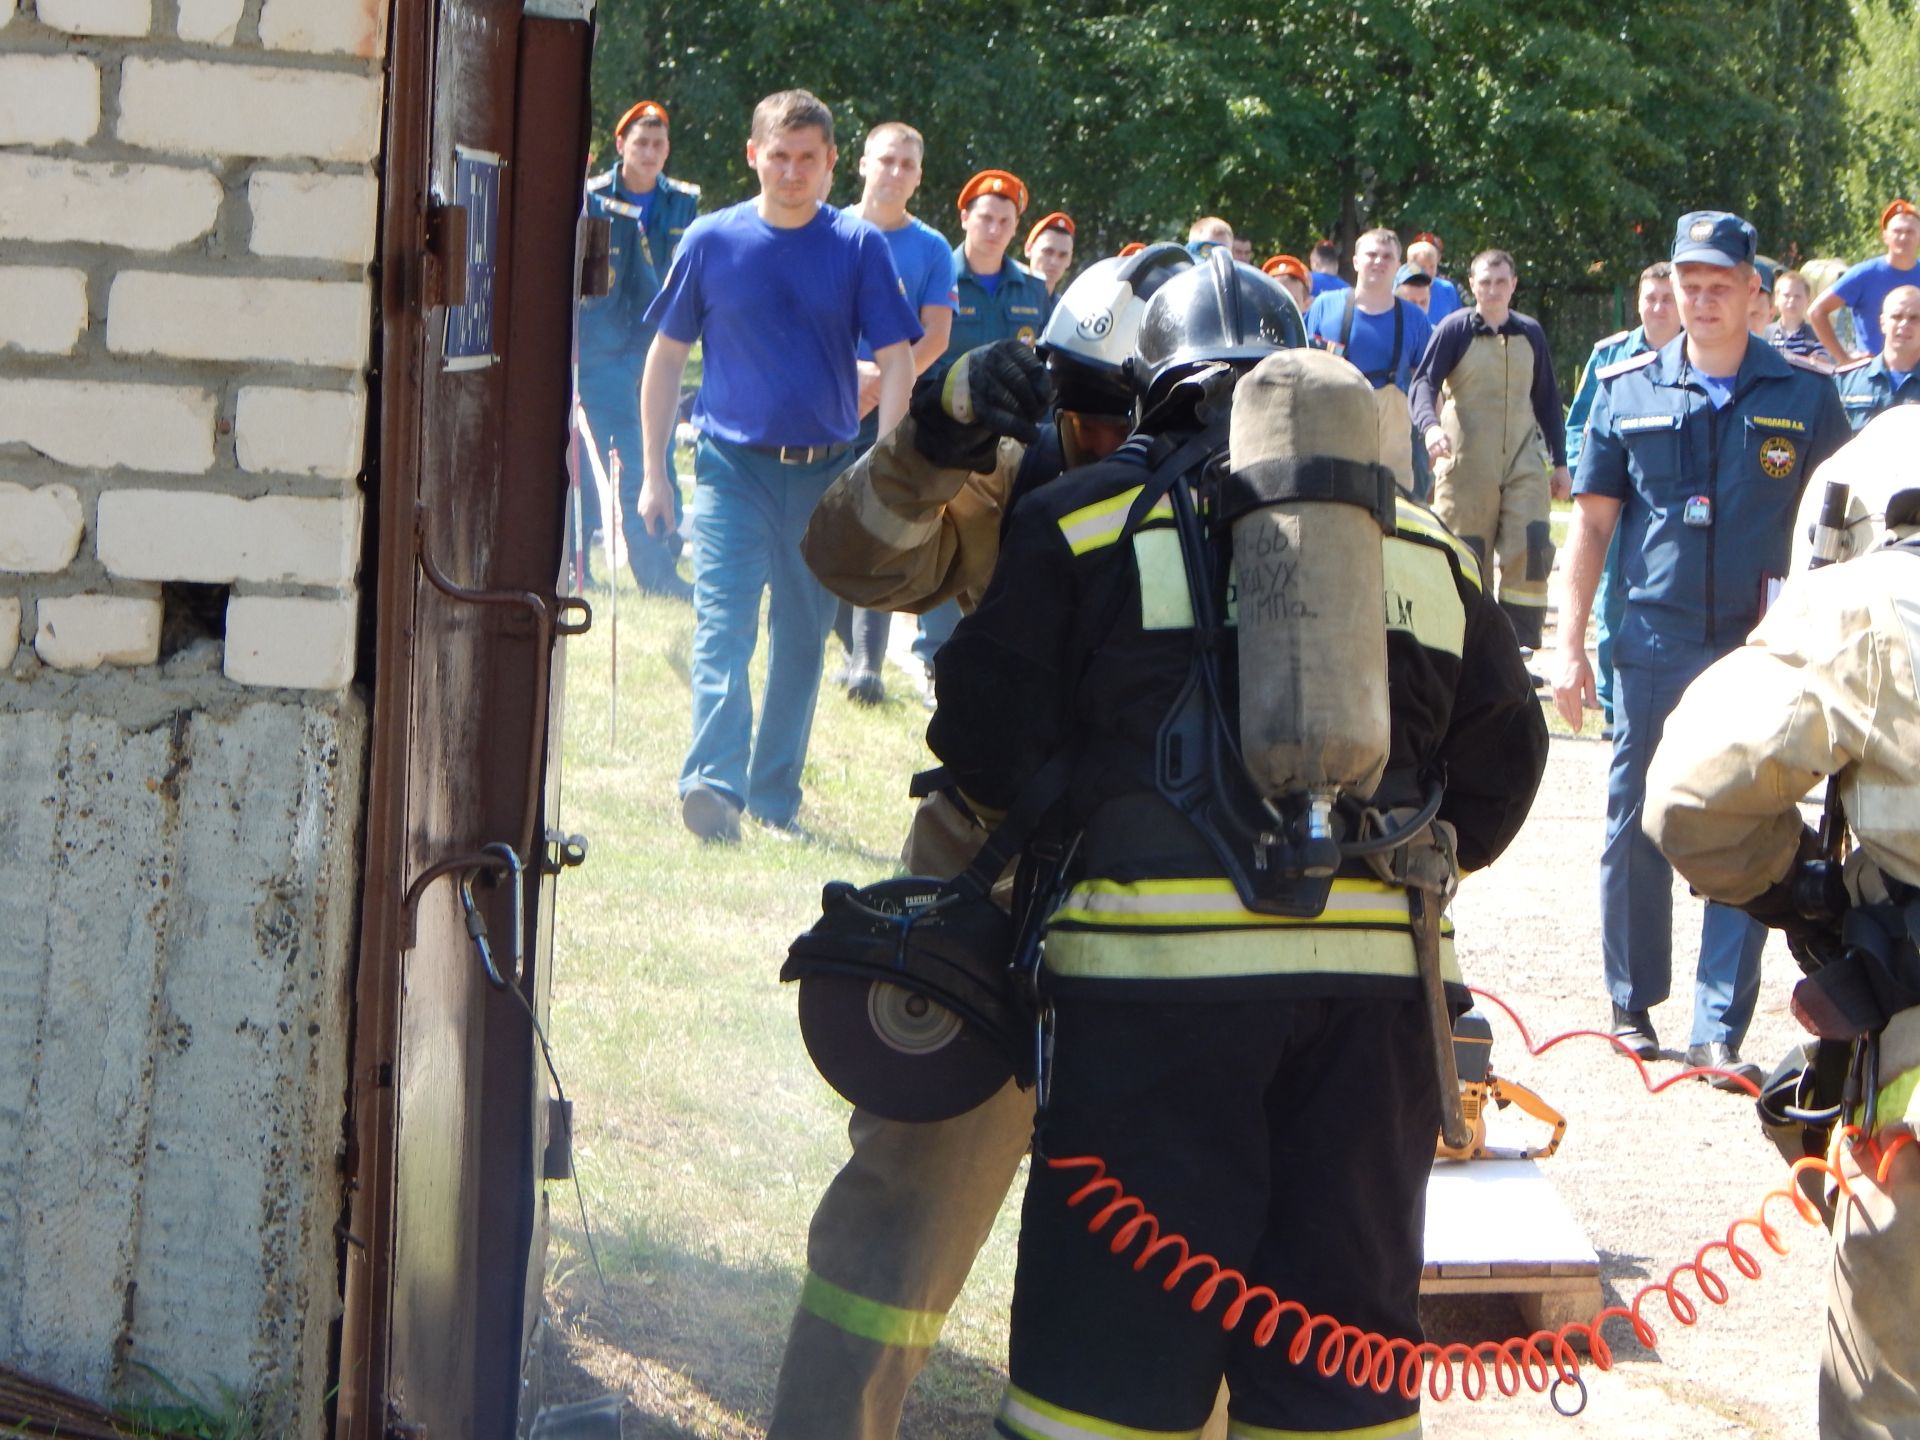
{"type": "Point", "coordinates": [1541, 1362]}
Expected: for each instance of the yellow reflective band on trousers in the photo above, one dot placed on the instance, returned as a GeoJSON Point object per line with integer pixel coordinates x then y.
{"type": "Point", "coordinates": [1407, 1429]}
{"type": "Point", "coordinates": [1092, 526]}
{"type": "Point", "coordinates": [869, 1319]}
{"type": "Point", "coordinates": [1034, 1419]}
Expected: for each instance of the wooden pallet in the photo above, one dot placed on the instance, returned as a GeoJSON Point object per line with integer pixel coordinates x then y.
{"type": "Point", "coordinates": [1499, 1227]}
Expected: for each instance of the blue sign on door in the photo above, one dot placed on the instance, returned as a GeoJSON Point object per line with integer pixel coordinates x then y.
{"type": "Point", "coordinates": [476, 184]}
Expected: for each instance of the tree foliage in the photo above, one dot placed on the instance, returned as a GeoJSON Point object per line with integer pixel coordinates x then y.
{"type": "Point", "coordinates": [1571, 132]}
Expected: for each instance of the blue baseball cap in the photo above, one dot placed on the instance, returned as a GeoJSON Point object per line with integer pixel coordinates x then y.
{"type": "Point", "coordinates": [1713, 237]}
{"type": "Point", "coordinates": [1764, 270]}
{"type": "Point", "coordinates": [1411, 274]}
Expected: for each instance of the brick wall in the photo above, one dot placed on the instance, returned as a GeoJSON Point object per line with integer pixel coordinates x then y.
{"type": "Point", "coordinates": [188, 205]}
{"type": "Point", "coordinates": [188, 200]}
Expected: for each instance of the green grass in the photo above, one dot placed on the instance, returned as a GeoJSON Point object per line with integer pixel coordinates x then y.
{"type": "Point", "coordinates": [704, 1134]}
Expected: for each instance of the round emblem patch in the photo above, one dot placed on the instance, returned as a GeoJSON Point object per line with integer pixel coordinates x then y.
{"type": "Point", "coordinates": [1700, 230]}
{"type": "Point", "coordinates": [1096, 326]}
{"type": "Point", "coordinates": [1777, 456]}
{"type": "Point", "coordinates": [1025, 334]}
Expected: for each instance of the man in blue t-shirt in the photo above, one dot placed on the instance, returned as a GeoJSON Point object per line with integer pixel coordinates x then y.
{"type": "Point", "coordinates": [780, 289]}
{"type": "Point", "coordinates": [1382, 336]}
{"type": "Point", "coordinates": [1443, 298]}
{"type": "Point", "coordinates": [1324, 263]}
{"type": "Point", "coordinates": [890, 167]}
{"type": "Point", "coordinates": [1864, 288]}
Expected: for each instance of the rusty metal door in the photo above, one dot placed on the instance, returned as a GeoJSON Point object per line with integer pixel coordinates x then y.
{"type": "Point", "coordinates": [444, 1235]}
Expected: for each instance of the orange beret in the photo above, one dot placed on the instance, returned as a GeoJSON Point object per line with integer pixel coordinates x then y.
{"type": "Point", "coordinates": [1058, 220]}
{"type": "Point", "coordinates": [1429, 237]}
{"type": "Point", "coordinates": [1286, 265]}
{"type": "Point", "coordinates": [1896, 207]}
{"type": "Point", "coordinates": [645, 110]}
{"type": "Point", "coordinates": [1132, 247]}
{"type": "Point", "coordinates": [994, 182]}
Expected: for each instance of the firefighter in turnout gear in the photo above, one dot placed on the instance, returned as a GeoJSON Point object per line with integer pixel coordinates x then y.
{"type": "Point", "coordinates": [914, 522]}
{"type": "Point", "coordinates": [1825, 687]}
{"type": "Point", "coordinates": [1246, 1053]}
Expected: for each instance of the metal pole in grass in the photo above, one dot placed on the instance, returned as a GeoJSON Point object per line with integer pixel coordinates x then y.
{"type": "Point", "coordinates": [577, 556]}
{"type": "Point", "coordinates": [616, 551]}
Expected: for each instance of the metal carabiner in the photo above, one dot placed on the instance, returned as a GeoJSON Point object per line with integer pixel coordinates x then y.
{"type": "Point", "coordinates": [1573, 1407]}
{"type": "Point", "coordinates": [477, 929]}
{"type": "Point", "coordinates": [516, 877]}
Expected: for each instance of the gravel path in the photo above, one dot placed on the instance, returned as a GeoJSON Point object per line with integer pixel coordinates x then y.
{"type": "Point", "coordinates": [1650, 1178]}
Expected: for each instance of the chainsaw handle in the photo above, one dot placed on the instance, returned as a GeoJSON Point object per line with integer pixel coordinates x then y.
{"type": "Point", "coordinates": [1508, 1092]}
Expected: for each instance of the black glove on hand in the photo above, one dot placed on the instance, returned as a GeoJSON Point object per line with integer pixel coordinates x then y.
{"type": "Point", "coordinates": [1811, 942]}
{"type": "Point", "coordinates": [960, 410]}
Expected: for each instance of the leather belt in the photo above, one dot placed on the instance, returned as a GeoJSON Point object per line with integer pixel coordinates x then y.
{"type": "Point", "coordinates": [803, 454]}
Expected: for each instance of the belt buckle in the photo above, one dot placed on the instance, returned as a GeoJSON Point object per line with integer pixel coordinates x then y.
{"type": "Point", "coordinates": [796, 454]}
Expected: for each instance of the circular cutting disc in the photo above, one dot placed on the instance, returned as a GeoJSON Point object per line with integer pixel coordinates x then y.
{"type": "Point", "coordinates": [898, 1054]}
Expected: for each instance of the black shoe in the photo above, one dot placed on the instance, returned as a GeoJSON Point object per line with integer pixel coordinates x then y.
{"type": "Point", "coordinates": [1634, 1029]}
{"type": "Point", "coordinates": [710, 815]}
{"type": "Point", "coordinates": [865, 688]}
{"type": "Point", "coordinates": [1721, 1056]}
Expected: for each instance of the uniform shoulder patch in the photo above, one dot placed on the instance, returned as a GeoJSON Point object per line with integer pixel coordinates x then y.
{"type": "Point", "coordinates": [1860, 363]}
{"type": "Point", "coordinates": [688, 186]}
{"type": "Point", "coordinates": [1614, 339]}
{"type": "Point", "coordinates": [1628, 365]}
{"type": "Point", "coordinates": [601, 182]}
{"type": "Point", "coordinates": [1808, 362]}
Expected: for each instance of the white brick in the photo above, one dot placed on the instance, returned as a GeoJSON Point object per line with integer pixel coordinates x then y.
{"type": "Point", "coordinates": [321, 217]}
{"type": "Point", "coordinates": [217, 317]}
{"type": "Point", "coordinates": [209, 22]}
{"type": "Point", "coordinates": [346, 27]}
{"type": "Point", "coordinates": [300, 643]}
{"type": "Point", "coordinates": [42, 309]}
{"type": "Point", "coordinates": [301, 432]}
{"type": "Point", "coordinates": [39, 528]}
{"type": "Point", "coordinates": [9, 604]}
{"type": "Point", "coordinates": [205, 108]}
{"type": "Point", "coordinates": [99, 424]}
{"type": "Point", "coordinates": [141, 207]}
{"type": "Point", "coordinates": [96, 17]}
{"type": "Point", "coordinates": [192, 535]}
{"type": "Point", "coordinates": [47, 99]}
{"type": "Point", "coordinates": [84, 632]}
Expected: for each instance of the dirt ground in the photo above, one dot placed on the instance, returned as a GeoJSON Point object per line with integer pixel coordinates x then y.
{"type": "Point", "coordinates": [1651, 1179]}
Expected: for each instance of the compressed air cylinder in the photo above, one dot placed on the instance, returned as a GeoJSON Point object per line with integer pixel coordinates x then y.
{"type": "Point", "coordinates": [1309, 576]}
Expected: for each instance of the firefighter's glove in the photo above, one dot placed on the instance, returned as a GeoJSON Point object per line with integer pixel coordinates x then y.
{"type": "Point", "coordinates": [1813, 942]}
{"type": "Point", "coordinates": [961, 410]}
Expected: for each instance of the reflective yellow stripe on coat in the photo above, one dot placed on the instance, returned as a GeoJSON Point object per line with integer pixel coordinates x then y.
{"type": "Point", "coordinates": [1196, 928]}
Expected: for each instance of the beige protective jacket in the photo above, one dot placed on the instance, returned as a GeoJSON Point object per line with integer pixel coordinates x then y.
{"type": "Point", "coordinates": [897, 532]}
{"type": "Point", "coordinates": [1825, 685]}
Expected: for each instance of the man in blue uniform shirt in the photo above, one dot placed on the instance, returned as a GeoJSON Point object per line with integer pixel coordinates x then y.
{"type": "Point", "coordinates": [1865, 287]}
{"type": "Point", "coordinates": [647, 213]}
{"type": "Point", "coordinates": [1885, 380]}
{"type": "Point", "coordinates": [1659, 323]}
{"type": "Point", "coordinates": [780, 289]}
{"type": "Point", "coordinates": [997, 298]}
{"type": "Point", "coordinates": [1698, 452]}
{"type": "Point", "coordinates": [1324, 261]}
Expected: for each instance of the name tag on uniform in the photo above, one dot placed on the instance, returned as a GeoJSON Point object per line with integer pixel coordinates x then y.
{"type": "Point", "coordinates": [1857, 402]}
{"type": "Point", "coordinates": [1698, 511]}
{"type": "Point", "coordinates": [1630, 424]}
{"type": "Point", "coordinates": [1022, 310]}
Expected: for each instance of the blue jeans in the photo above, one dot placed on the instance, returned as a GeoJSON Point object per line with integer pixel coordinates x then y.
{"type": "Point", "coordinates": [1636, 883]}
{"type": "Point", "coordinates": [1609, 608]}
{"type": "Point", "coordinates": [610, 394]}
{"type": "Point", "coordinates": [751, 513]}
{"type": "Point", "coordinates": [935, 626]}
